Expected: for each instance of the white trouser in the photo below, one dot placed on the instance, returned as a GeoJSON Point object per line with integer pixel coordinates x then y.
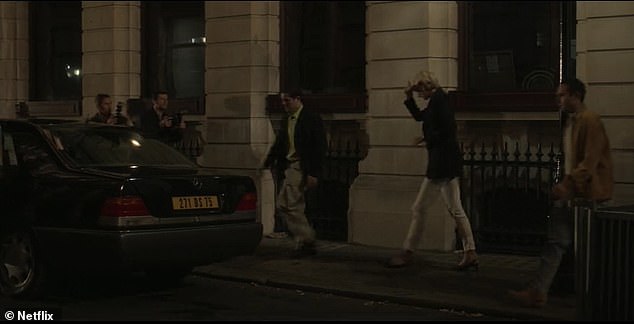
{"type": "Point", "coordinates": [291, 205]}
{"type": "Point", "coordinates": [449, 190]}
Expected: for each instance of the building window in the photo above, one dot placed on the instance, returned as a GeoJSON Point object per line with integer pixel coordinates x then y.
{"type": "Point", "coordinates": [55, 50]}
{"type": "Point", "coordinates": [512, 55]}
{"type": "Point", "coordinates": [323, 46]}
{"type": "Point", "coordinates": [173, 48]}
{"type": "Point", "coordinates": [322, 52]}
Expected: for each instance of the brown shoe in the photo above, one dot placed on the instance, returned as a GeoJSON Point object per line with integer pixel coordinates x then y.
{"type": "Point", "coordinates": [277, 235]}
{"type": "Point", "coordinates": [529, 297]}
{"type": "Point", "coordinates": [469, 261]}
{"type": "Point", "coordinates": [403, 259]}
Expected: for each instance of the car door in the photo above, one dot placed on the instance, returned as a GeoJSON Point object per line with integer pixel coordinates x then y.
{"type": "Point", "coordinates": [11, 191]}
{"type": "Point", "coordinates": [34, 173]}
{"type": "Point", "coordinates": [28, 168]}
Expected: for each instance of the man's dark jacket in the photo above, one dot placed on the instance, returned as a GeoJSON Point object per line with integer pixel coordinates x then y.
{"type": "Point", "coordinates": [149, 126]}
{"type": "Point", "coordinates": [310, 145]}
{"type": "Point", "coordinates": [439, 132]}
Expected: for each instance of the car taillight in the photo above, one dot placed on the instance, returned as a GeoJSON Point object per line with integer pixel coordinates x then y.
{"type": "Point", "coordinates": [124, 207]}
{"type": "Point", "coordinates": [248, 201]}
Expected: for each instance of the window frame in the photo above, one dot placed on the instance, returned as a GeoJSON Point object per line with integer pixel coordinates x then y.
{"type": "Point", "coordinates": [41, 68]}
{"type": "Point", "coordinates": [324, 102]}
{"type": "Point", "coordinates": [464, 100]}
{"type": "Point", "coordinates": [152, 12]}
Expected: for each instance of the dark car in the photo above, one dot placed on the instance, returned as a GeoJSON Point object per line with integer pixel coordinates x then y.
{"type": "Point", "coordinates": [92, 196]}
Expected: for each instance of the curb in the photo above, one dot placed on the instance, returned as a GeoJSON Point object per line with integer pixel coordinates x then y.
{"type": "Point", "coordinates": [411, 301]}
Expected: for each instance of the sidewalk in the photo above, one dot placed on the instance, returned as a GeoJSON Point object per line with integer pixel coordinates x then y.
{"type": "Point", "coordinates": [358, 271]}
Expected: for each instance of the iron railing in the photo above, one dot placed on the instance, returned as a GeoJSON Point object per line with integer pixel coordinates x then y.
{"type": "Point", "coordinates": [327, 205]}
{"type": "Point", "coordinates": [506, 196]}
{"type": "Point", "coordinates": [192, 142]}
{"type": "Point", "coordinates": [604, 262]}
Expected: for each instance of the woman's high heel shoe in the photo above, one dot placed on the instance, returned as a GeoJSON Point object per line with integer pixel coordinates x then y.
{"type": "Point", "coordinates": [473, 264]}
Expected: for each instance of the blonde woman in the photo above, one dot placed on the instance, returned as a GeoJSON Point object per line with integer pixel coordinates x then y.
{"type": "Point", "coordinates": [444, 169]}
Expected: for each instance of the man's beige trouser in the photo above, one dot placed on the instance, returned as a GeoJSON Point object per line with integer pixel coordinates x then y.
{"type": "Point", "coordinates": [291, 204]}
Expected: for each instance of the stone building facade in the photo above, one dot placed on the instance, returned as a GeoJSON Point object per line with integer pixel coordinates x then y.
{"type": "Point", "coordinates": [242, 68]}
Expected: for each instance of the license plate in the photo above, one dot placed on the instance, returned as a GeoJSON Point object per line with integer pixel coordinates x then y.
{"type": "Point", "coordinates": [195, 202]}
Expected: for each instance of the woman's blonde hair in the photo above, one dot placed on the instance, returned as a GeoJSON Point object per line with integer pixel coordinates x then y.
{"type": "Point", "coordinates": [427, 79]}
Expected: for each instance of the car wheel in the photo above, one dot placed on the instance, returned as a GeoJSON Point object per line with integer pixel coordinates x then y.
{"type": "Point", "coordinates": [20, 272]}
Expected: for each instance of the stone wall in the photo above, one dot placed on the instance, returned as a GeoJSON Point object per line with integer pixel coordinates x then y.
{"type": "Point", "coordinates": [242, 68]}
{"type": "Point", "coordinates": [605, 61]}
{"type": "Point", "coordinates": [14, 55]}
{"type": "Point", "coordinates": [402, 39]}
{"type": "Point", "coordinates": [111, 45]}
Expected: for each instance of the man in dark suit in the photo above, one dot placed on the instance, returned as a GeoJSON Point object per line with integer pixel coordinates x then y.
{"type": "Point", "coordinates": [156, 123]}
{"type": "Point", "coordinates": [297, 156]}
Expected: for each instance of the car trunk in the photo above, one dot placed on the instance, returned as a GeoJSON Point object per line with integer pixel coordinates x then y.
{"type": "Point", "coordinates": [174, 193]}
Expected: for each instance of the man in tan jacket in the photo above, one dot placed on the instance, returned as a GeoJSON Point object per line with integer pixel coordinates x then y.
{"type": "Point", "coordinates": [588, 176]}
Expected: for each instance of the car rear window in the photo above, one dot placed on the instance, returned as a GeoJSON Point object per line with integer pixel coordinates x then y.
{"type": "Point", "coordinates": [115, 146]}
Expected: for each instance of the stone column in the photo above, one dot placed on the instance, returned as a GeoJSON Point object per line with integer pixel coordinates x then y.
{"type": "Point", "coordinates": [402, 39]}
{"type": "Point", "coordinates": [14, 55]}
{"type": "Point", "coordinates": [242, 68]}
{"type": "Point", "coordinates": [605, 62]}
{"type": "Point", "coordinates": [111, 44]}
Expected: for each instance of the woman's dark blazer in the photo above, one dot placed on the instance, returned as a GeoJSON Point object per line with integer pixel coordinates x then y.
{"type": "Point", "coordinates": [439, 132]}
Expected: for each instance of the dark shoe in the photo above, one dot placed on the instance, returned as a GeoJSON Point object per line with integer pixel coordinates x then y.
{"type": "Point", "coordinates": [529, 297]}
{"type": "Point", "coordinates": [306, 249]}
{"type": "Point", "coordinates": [469, 261]}
{"type": "Point", "coordinates": [473, 265]}
{"type": "Point", "coordinates": [403, 259]}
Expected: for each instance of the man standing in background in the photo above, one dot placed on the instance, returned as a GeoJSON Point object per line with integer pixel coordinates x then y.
{"type": "Point", "coordinates": [156, 123]}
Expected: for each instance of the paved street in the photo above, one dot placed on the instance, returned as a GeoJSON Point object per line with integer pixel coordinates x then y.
{"type": "Point", "coordinates": [134, 298]}
{"type": "Point", "coordinates": [343, 281]}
